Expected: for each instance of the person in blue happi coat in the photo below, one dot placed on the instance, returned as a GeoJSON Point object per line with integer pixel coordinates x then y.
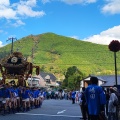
{"type": "Point", "coordinates": [94, 98]}
{"type": "Point", "coordinates": [73, 96]}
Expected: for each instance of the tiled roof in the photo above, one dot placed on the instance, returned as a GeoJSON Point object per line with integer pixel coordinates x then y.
{"type": "Point", "coordinates": [110, 80]}
{"type": "Point", "coordinates": [99, 78]}
{"type": "Point", "coordinates": [52, 77]}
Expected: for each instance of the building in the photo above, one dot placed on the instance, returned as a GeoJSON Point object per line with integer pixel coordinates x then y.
{"type": "Point", "coordinates": [110, 80]}
{"type": "Point", "coordinates": [105, 81]}
{"type": "Point", "coordinates": [47, 80]}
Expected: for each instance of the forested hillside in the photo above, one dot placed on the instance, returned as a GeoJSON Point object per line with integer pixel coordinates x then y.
{"type": "Point", "coordinates": [55, 53]}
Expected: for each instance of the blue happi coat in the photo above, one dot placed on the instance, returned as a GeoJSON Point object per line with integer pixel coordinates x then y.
{"type": "Point", "coordinates": [94, 98]}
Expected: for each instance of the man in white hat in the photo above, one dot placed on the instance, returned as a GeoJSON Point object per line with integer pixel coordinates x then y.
{"type": "Point", "coordinates": [115, 89]}
{"type": "Point", "coordinates": [112, 108]}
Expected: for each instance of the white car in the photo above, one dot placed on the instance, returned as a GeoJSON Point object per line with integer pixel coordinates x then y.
{"type": "Point", "coordinates": [33, 82]}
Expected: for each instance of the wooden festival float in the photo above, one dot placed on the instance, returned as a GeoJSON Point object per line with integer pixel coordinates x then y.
{"type": "Point", "coordinates": [16, 66]}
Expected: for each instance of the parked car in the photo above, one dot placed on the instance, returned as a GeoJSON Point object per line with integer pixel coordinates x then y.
{"type": "Point", "coordinates": [33, 82]}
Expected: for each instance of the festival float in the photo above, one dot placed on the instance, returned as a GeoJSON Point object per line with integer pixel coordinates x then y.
{"type": "Point", "coordinates": [16, 66]}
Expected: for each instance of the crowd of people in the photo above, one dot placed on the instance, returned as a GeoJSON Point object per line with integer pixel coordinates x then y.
{"type": "Point", "coordinates": [97, 103]}
{"type": "Point", "coordinates": [17, 98]}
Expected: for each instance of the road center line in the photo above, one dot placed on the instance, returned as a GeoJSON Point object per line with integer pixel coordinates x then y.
{"type": "Point", "coordinates": [60, 112]}
{"type": "Point", "coordinates": [48, 115]}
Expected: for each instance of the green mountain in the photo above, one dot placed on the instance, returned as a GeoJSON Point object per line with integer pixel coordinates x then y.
{"type": "Point", "coordinates": [55, 53]}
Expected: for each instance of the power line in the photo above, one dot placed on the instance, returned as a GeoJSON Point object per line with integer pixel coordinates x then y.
{"type": "Point", "coordinates": [75, 64]}
{"type": "Point", "coordinates": [75, 51]}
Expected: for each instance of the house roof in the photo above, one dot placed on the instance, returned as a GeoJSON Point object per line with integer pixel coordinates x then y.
{"type": "Point", "coordinates": [44, 75]}
{"type": "Point", "coordinates": [110, 80]}
{"type": "Point", "coordinates": [99, 78]}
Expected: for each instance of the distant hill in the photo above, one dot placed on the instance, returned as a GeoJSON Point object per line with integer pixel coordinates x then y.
{"type": "Point", "coordinates": [55, 53]}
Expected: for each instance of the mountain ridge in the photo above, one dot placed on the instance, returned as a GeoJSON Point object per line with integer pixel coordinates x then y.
{"type": "Point", "coordinates": [55, 53]}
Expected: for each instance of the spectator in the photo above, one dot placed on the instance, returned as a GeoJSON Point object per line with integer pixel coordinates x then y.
{"type": "Point", "coordinates": [76, 97]}
{"type": "Point", "coordinates": [107, 100]}
{"type": "Point", "coordinates": [93, 93]}
{"type": "Point", "coordinates": [111, 108]}
{"type": "Point", "coordinates": [83, 106]}
{"type": "Point", "coordinates": [73, 96]}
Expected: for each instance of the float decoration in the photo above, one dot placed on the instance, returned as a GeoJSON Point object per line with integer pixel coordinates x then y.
{"type": "Point", "coordinates": [16, 66]}
{"type": "Point", "coordinates": [114, 46]}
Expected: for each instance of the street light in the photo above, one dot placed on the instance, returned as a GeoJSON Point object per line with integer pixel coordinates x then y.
{"type": "Point", "coordinates": [114, 46]}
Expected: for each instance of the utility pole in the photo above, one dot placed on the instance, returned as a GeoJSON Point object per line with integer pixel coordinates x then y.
{"type": "Point", "coordinates": [115, 69]}
{"type": "Point", "coordinates": [34, 47]}
{"type": "Point", "coordinates": [12, 39]}
{"type": "Point", "coordinates": [32, 54]}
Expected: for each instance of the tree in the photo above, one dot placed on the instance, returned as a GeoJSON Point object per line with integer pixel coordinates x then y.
{"type": "Point", "coordinates": [73, 76]}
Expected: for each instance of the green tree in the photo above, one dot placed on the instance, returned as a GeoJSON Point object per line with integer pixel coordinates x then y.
{"type": "Point", "coordinates": [73, 76]}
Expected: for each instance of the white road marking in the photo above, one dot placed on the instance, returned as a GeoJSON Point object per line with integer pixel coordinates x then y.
{"type": "Point", "coordinates": [60, 112]}
{"type": "Point", "coordinates": [49, 115]}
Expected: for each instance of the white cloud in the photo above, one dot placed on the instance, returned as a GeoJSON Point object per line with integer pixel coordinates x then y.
{"type": "Point", "coordinates": [18, 23]}
{"type": "Point", "coordinates": [1, 44]}
{"type": "Point", "coordinates": [19, 10]}
{"type": "Point", "coordinates": [71, 1]}
{"type": "Point", "coordinates": [105, 37]}
{"type": "Point", "coordinates": [8, 13]}
{"type": "Point", "coordinates": [111, 7]}
{"type": "Point", "coordinates": [31, 3]}
{"type": "Point", "coordinates": [78, 1]}
{"type": "Point", "coordinates": [75, 37]}
{"type": "Point", "coordinates": [91, 1]}
{"type": "Point", "coordinates": [25, 10]}
{"type": "Point", "coordinates": [45, 1]}
{"type": "Point", "coordinates": [4, 2]}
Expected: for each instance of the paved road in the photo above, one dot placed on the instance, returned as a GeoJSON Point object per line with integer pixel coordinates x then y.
{"type": "Point", "coordinates": [50, 110]}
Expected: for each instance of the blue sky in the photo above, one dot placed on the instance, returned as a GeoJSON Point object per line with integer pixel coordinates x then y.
{"type": "Point", "coordinates": [97, 21]}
